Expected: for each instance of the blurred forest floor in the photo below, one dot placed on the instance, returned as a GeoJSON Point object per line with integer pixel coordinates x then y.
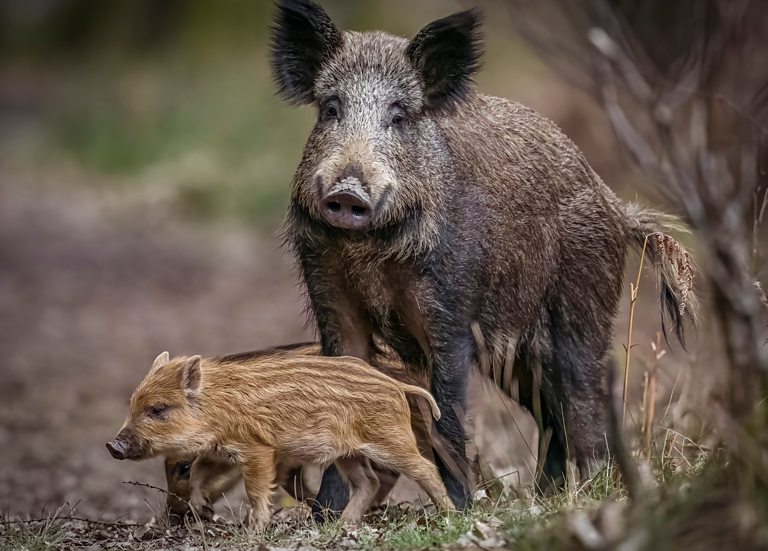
{"type": "Point", "coordinates": [139, 202]}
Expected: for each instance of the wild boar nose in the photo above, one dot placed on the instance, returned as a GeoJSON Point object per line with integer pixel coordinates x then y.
{"type": "Point", "coordinates": [118, 449]}
{"type": "Point", "coordinates": [347, 209]}
{"type": "Point", "coordinates": [347, 204]}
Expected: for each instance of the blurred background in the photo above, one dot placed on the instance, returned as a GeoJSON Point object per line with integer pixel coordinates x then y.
{"type": "Point", "coordinates": [144, 170]}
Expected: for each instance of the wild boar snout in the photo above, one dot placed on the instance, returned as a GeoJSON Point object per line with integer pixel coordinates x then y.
{"type": "Point", "coordinates": [125, 446]}
{"type": "Point", "coordinates": [347, 204]}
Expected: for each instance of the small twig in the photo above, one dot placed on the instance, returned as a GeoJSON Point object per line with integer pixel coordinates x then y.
{"type": "Point", "coordinates": [151, 487]}
{"type": "Point", "coordinates": [145, 485]}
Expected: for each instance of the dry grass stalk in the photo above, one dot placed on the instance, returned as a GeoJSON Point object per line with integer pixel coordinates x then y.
{"type": "Point", "coordinates": [649, 395]}
{"type": "Point", "coordinates": [633, 287]}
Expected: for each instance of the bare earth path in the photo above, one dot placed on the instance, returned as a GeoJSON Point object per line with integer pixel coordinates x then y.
{"type": "Point", "coordinates": [92, 287]}
{"type": "Point", "coordinates": [90, 291]}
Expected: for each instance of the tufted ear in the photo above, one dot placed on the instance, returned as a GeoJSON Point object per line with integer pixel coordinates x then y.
{"type": "Point", "coordinates": [162, 359]}
{"type": "Point", "coordinates": [447, 53]}
{"type": "Point", "coordinates": [191, 377]}
{"type": "Point", "coordinates": [303, 37]}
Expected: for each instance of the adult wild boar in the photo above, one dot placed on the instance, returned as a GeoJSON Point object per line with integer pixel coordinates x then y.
{"type": "Point", "coordinates": [421, 207]}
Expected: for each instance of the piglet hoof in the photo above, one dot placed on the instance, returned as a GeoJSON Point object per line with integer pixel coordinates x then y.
{"type": "Point", "coordinates": [205, 512]}
{"type": "Point", "coordinates": [176, 511]}
{"type": "Point", "coordinates": [175, 518]}
{"type": "Point", "coordinates": [445, 504]}
{"type": "Point", "coordinates": [351, 522]}
{"type": "Point", "coordinates": [257, 522]}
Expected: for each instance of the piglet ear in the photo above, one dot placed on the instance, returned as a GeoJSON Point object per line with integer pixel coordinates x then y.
{"type": "Point", "coordinates": [191, 376]}
{"type": "Point", "coordinates": [162, 359]}
{"type": "Point", "coordinates": [447, 53]}
{"type": "Point", "coordinates": [303, 37]}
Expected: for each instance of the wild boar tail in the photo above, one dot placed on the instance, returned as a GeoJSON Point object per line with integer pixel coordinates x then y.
{"type": "Point", "coordinates": [673, 265]}
{"type": "Point", "coordinates": [417, 390]}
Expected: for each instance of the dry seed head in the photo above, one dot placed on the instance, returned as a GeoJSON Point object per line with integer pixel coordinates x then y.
{"type": "Point", "coordinates": [676, 261]}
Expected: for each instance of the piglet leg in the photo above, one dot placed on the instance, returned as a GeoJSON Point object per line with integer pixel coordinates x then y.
{"type": "Point", "coordinates": [259, 476]}
{"type": "Point", "coordinates": [363, 485]}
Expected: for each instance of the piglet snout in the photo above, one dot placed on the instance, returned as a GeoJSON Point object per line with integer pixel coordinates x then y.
{"type": "Point", "coordinates": [118, 449]}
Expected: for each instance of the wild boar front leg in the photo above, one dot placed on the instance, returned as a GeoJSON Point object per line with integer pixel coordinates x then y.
{"type": "Point", "coordinates": [259, 475]}
{"type": "Point", "coordinates": [344, 331]}
{"type": "Point", "coordinates": [451, 363]}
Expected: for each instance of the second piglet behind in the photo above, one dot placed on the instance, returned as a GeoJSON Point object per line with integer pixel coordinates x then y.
{"type": "Point", "coordinates": [257, 409]}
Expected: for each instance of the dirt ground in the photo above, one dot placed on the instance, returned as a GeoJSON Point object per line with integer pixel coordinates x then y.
{"type": "Point", "coordinates": [91, 289]}
{"type": "Point", "coordinates": [89, 293]}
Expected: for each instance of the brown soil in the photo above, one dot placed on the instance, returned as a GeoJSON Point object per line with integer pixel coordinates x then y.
{"type": "Point", "coordinates": [89, 294]}
{"type": "Point", "coordinates": [94, 285]}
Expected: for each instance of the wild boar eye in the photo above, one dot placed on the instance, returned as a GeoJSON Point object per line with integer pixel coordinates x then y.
{"type": "Point", "coordinates": [331, 110]}
{"type": "Point", "coordinates": [159, 412]}
{"type": "Point", "coordinates": [396, 115]}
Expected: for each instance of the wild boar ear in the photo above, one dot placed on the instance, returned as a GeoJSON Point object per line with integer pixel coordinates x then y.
{"type": "Point", "coordinates": [303, 37]}
{"type": "Point", "coordinates": [190, 376]}
{"type": "Point", "coordinates": [162, 359]}
{"type": "Point", "coordinates": [447, 53]}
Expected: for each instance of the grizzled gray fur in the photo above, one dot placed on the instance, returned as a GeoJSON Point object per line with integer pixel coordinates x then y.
{"type": "Point", "coordinates": [421, 207]}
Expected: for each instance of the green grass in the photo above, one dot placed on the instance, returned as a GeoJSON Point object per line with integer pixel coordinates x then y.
{"type": "Point", "coordinates": [693, 508]}
{"type": "Point", "coordinates": [392, 529]}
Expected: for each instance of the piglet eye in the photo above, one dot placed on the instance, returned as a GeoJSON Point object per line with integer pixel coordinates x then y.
{"type": "Point", "coordinates": [159, 412]}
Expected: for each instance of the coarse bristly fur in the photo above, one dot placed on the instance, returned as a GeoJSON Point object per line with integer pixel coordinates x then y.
{"type": "Point", "coordinates": [271, 412]}
{"type": "Point", "coordinates": [470, 209]}
{"type": "Point", "coordinates": [215, 475]}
